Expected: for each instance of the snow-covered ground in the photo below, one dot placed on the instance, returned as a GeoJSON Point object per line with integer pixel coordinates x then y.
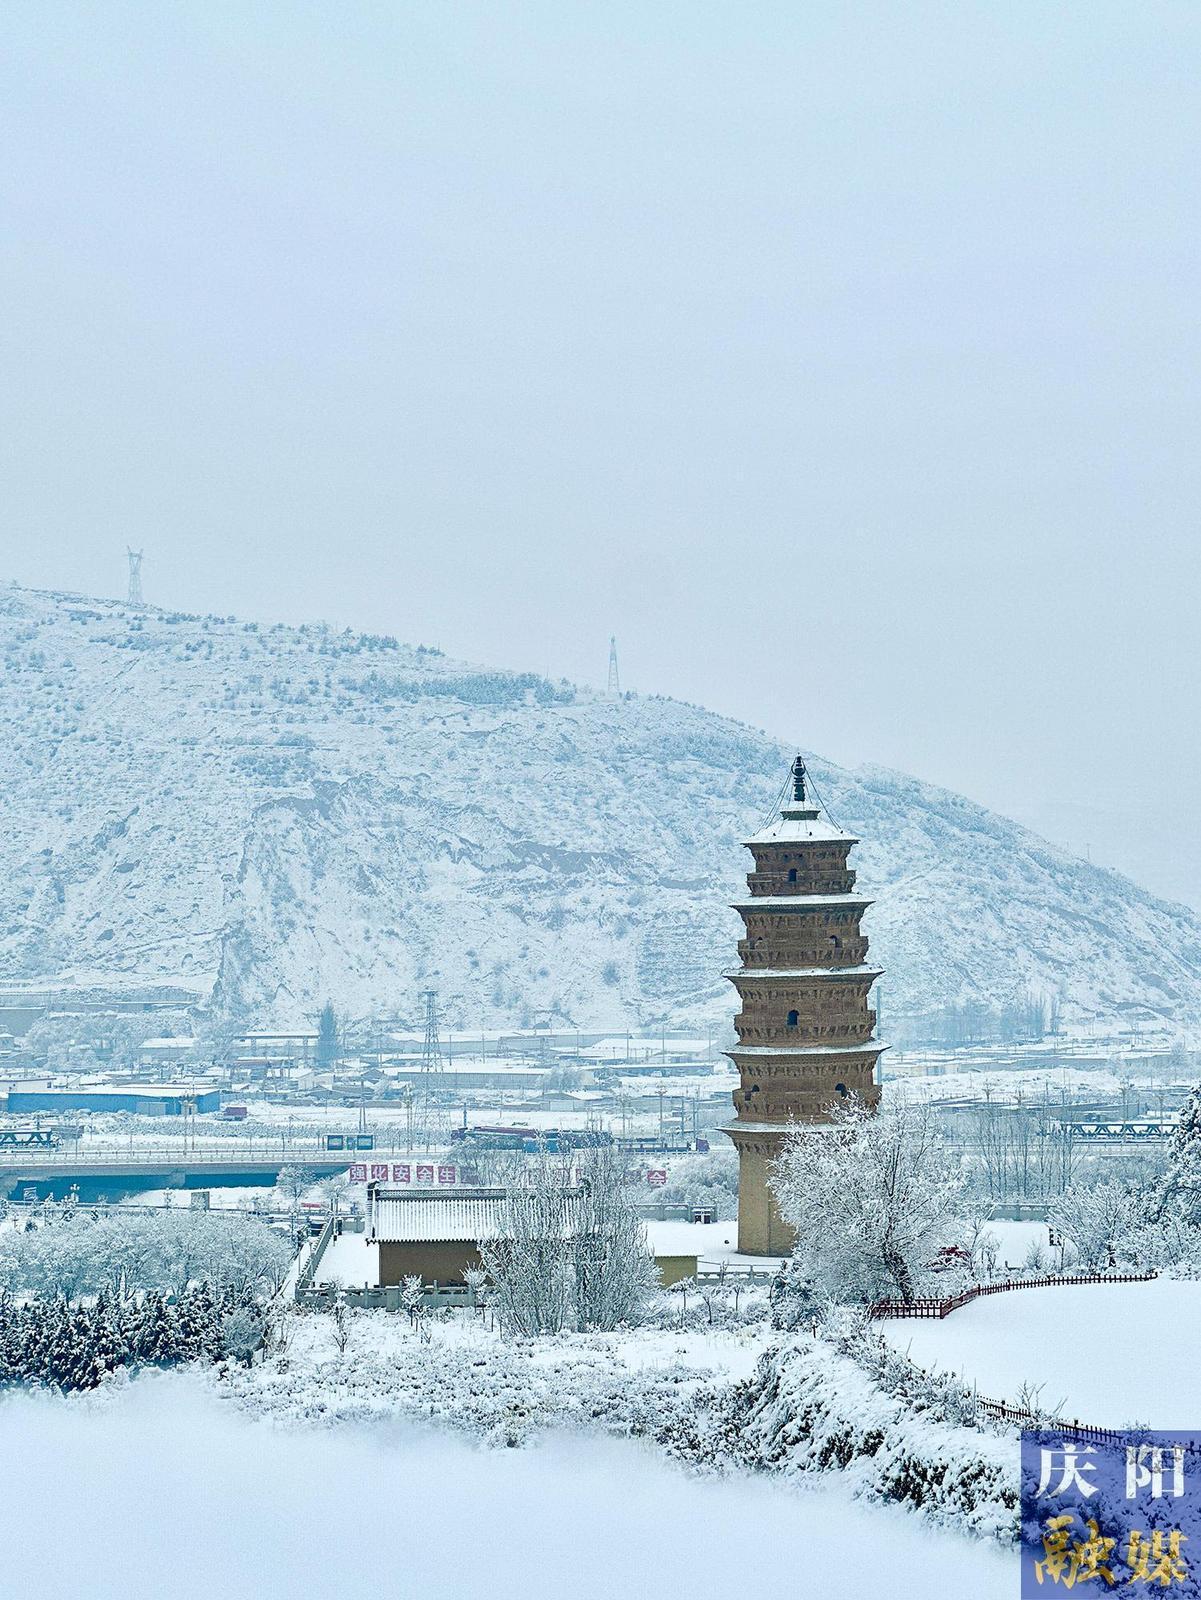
{"type": "Point", "coordinates": [989, 1082]}
{"type": "Point", "coordinates": [711, 1242]}
{"type": "Point", "coordinates": [259, 1197]}
{"type": "Point", "coordinates": [408, 1512]}
{"type": "Point", "coordinates": [1015, 1240]}
{"type": "Point", "coordinates": [1114, 1354]}
{"type": "Point", "coordinates": [349, 1262]}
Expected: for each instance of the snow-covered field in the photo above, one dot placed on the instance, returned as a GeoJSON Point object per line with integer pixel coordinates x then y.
{"type": "Point", "coordinates": [213, 1503]}
{"type": "Point", "coordinates": [1114, 1354]}
{"type": "Point", "coordinates": [989, 1082]}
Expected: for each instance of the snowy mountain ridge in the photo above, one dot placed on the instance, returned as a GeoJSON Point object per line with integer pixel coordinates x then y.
{"type": "Point", "coordinates": [271, 815]}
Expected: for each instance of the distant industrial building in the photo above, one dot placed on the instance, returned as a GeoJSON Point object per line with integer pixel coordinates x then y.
{"type": "Point", "coordinates": [141, 1099]}
{"type": "Point", "coordinates": [267, 1045]}
{"type": "Point", "coordinates": [166, 1052]}
{"type": "Point", "coordinates": [453, 1077]}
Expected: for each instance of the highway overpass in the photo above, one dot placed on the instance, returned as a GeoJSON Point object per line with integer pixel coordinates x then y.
{"type": "Point", "coordinates": [107, 1172]}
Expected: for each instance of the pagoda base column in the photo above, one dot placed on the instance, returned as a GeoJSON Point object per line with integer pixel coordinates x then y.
{"type": "Point", "coordinates": [762, 1231]}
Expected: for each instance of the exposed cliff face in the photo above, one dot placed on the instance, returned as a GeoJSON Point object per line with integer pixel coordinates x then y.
{"type": "Point", "coordinates": [276, 815]}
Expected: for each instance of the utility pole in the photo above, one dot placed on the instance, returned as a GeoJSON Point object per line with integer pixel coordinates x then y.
{"type": "Point", "coordinates": [135, 576]}
{"type": "Point", "coordinates": [614, 686]}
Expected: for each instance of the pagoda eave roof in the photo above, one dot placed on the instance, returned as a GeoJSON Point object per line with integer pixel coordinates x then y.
{"type": "Point", "coordinates": [861, 971]}
{"type": "Point", "coordinates": [765, 1052]}
{"type": "Point", "coordinates": [787, 831]}
{"type": "Point", "coordinates": [798, 902]}
{"type": "Point", "coordinates": [793, 1126]}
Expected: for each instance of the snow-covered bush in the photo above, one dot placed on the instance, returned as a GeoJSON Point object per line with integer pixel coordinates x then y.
{"type": "Point", "coordinates": [48, 1341]}
{"type": "Point", "coordinates": [810, 1407]}
{"type": "Point", "coordinates": [122, 1253]}
{"type": "Point", "coordinates": [503, 1390]}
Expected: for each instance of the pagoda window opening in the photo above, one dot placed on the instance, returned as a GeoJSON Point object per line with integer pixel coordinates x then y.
{"type": "Point", "coordinates": [793, 1019]}
{"type": "Point", "coordinates": [792, 874]}
{"type": "Point", "coordinates": [841, 1089]}
{"type": "Point", "coordinates": [835, 942]}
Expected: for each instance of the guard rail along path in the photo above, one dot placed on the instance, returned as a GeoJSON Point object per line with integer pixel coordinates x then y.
{"type": "Point", "coordinates": [939, 1308]}
{"type": "Point", "coordinates": [1000, 1410]}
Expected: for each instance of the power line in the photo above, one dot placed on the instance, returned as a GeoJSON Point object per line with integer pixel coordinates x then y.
{"type": "Point", "coordinates": [135, 576]}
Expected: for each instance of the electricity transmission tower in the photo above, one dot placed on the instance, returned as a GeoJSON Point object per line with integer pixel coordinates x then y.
{"type": "Point", "coordinates": [431, 1060]}
{"type": "Point", "coordinates": [614, 675]}
{"type": "Point", "coordinates": [135, 576]}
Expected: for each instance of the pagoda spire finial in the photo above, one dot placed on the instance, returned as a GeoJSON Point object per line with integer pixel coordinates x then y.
{"type": "Point", "coordinates": [798, 782]}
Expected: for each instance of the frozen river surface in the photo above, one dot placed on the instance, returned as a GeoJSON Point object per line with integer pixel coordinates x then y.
{"type": "Point", "coordinates": [163, 1492]}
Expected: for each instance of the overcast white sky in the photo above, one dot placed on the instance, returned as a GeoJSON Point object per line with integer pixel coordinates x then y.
{"type": "Point", "coordinates": [840, 358]}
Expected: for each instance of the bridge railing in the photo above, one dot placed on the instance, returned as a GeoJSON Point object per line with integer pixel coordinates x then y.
{"type": "Point", "coordinates": [232, 1154]}
{"type": "Point", "coordinates": [304, 1278]}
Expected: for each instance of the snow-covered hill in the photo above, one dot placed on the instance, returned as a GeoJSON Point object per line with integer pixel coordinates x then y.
{"type": "Point", "coordinates": [280, 814]}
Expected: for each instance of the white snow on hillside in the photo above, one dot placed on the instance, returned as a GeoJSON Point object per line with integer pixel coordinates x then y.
{"type": "Point", "coordinates": [273, 815]}
{"type": "Point", "coordinates": [1113, 1354]}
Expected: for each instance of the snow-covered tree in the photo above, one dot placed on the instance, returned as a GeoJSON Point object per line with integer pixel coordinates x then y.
{"type": "Point", "coordinates": [705, 1180]}
{"type": "Point", "coordinates": [613, 1268]}
{"type": "Point", "coordinates": [476, 1280]}
{"type": "Point", "coordinates": [528, 1263]}
{"type": "Point", "coordinates": [1105, 1222]}
{"type": "Point", "coordinates": [1182, 1188]}
{"type": "Point", "coordinates": [328, 1036]}
{"type": "Point", "coordinates": [412, 1296]}
{"type": "Point", "coordinates": [125, 1253]}
{"type": "Point", "coordinates": [340, 1317]}
{"type": "Point", "coordinates": [872, 1197]}
{"type": "Point", "coordinates": [569, 1253]}
{"type": "Point", "coordinates": [241, 1331]}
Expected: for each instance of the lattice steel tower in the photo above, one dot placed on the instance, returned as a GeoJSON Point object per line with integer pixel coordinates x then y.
{"type": "Point", "coordinates": [431, 1062]}
{"type": "Point", "coordinates": [135, 576]}
{"type": "Point", "coordinates": [614, 675]}
{"type": "Point", "coordinates": [431, 1055]}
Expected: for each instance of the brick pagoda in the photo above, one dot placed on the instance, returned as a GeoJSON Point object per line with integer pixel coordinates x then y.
{"type": "Point", "coordinates": [805, 1030]}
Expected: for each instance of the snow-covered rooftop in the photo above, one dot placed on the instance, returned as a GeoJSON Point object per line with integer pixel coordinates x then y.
{"type": "Point", "coordinates": [398, 1217]}
{"type": "Point", "coordinates": [798, 902]}
{"type": "Point", "coordinates": [404, 1218]}
{"type": "Point", "coordinates": [802, 825]}
{"type": "Point", "coordinates": [800, 820]}
{"type": "Point", "coordinates": [860, 971]}
{"type": "Point", "coordinates": [871, 1049]}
